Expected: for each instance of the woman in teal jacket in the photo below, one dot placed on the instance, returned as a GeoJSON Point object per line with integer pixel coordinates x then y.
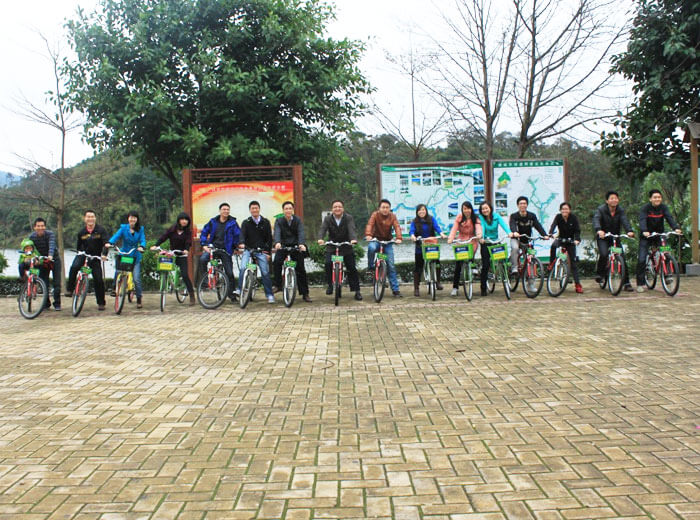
{"type": "Point", "coordinates": [132, 236]}
{"type": "Point", "coordinates": [489, 227]}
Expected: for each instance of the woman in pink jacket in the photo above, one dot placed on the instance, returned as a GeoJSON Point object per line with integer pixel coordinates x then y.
{"type": "Point", "coordinates": [466, 226]}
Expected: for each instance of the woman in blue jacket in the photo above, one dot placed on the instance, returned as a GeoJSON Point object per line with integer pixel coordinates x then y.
{"type": "Point", "coordinates": [132, 236]}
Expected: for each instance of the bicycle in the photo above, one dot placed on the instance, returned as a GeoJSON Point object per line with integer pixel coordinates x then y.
{"type": "Point", "coordinates": [81, 283]}
{"type": "Point", "coordinates": [615, 266]}
{"type": "Point", "coordinates": [380, 269]}
{"type": "Point", "coordinates": [530, 269]}
{"type": "Point", "coordinates": [289, 276]}
{"type": "Point", "coordinates": [464, 252]}
{"type": "Point", "coordinates": [124, 281]}
{"type": "Point", "coordinates": [430, 249]}
{"type": "Point", "coordinates": [249, 283]}
{"type": "Point", "coordinates": [661, 260]}
{"type": "Point", "coordinates": [498, 252]}
{"type": "Point", "coordinates": [170, 275]}
{"type": "Point", "coordinates": [33, 295]}
{"type": "Point", "coordinates": [337, 271]}
{"type": "Point", "coordinates": [213, 287]}
{"type": "Point", "coordinates": [558, 277]}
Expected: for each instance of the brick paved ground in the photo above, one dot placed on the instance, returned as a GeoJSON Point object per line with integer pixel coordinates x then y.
{"type": "Point", "coordinates": [579, 407]}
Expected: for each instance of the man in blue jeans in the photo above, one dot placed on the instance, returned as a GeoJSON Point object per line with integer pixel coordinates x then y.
{"type": "Point", "coordinates": [222, 232]}
{"type": "Point", "coordinates": [379, 226]}
{"type": "Point", "coordinates": [256, 233]}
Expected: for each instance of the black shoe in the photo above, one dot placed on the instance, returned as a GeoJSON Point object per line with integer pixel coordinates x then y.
{"type": "Point", "coordinates": [307, 298]}
{"type": "Point", "coordinates": [358, 296]}
{"type": "Point", "coordinates": [628, 288]}
{"type": "Point", "coordinates": [598, 280]}
{"type": "Point", "coordinates": [68, 294]}
{"type": "Point", "coordinates": [397, 294]}
{"type": "Point", "coordinates": [329, 290]}
{"type": "Point", "coordinates": [484, 292]}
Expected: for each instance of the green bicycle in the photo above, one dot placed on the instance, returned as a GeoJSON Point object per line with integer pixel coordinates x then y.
{"type": "Point", "coordinates": [499, 266]}
{"type": "Point", "coordinates": [464, 252]}
{"type": "Point", "coordinates": [170, 276]}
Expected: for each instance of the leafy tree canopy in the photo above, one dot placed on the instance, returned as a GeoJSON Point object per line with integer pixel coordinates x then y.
{"type": "Point", "coordinates": [663, 61]}
{"type": "Point", "coordinates": [211, 83]}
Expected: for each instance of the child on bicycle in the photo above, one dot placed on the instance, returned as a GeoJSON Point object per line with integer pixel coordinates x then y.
{"type": "Point", "coordinates": [425, 226]}
{"type": "Point", "coordinates": [568, 226]}
{"type": "Point", "coordinates": [132, 236]}
{"type": "Point", "coordinates": [27, 253]}
{"type": "Point", "coordinates": [490, 222]}
{"type": "Point", "coordinates": [466, 226]}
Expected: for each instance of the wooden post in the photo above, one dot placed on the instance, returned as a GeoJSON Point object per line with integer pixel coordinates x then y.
{"type": "Point", "coordinates": [187, 204]}
{"type": "Point", "coordinates": [694, 198]}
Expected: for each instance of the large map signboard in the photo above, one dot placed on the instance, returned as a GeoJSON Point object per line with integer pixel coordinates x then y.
{"type": "Point", "coordinates": [441, 187]}
{"type": "Point", "coordinates": [543, 182]}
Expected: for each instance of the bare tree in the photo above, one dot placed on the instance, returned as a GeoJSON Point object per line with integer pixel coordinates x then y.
{"type": "Point", "coordinates": [472, 67]}
{"type": "Point", "coordinates": [560, 83]}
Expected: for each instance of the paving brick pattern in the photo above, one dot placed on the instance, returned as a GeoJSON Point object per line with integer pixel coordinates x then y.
{"type": "Point", "coordinates": [579, 407]}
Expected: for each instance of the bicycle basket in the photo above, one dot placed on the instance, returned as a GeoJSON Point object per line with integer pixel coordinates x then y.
{"type": "Point", "coordinates": [431, 251]}
{"type": "Point", "coordinates": [464, 251]}
{"type": "Point", "coordinates": [290, 263]}
{"type": "Point", "coordinates": [664, 249]}
{"type": "Point", "coordinates": [617, 250]}
{"type": "Point", "coordinates": [85, 270]}
{"type": "Point", "coordinates": [337, 258]}
{"type": "Point", "coordinates": [561, 255]}
{"type": "Point", "coordinates": [125, 263]}
{"type": "Point", "coordinates": [34, 270]}
{"type": "Point", "coordinates": [165, 263]}
{"type": "Point", "coordinates": [498, 252]}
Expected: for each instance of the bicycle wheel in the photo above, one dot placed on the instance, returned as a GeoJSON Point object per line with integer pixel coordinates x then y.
{"type": "Point", "coordinates": [533, 277]}
{"type": "Point", "coordinates": [180, 290]}
{"type": "Point", "coordinates": [670, 275]}
{"type": "Point", "coordinates": [213, 289]}
{"type": "Point", "coordinates": [513, 279]}
{"type": "Point", "coordinates": [504, 276]}
{"type": "Point", "coordinates": [468, 281]}
{"type": "Point", "coordinates": [616, 274]}
{"type": "Point", "coordinates": [120, 289]}
{"type": "Point", "coordinates": [32, 298]}
{"type": "Point", "coordinates": [558, 278]}
{"type": "Point", "coordinates": [79, 295]}
{"type": "Point", "coordinates": [379, 281]}
{"type": "Point", "coordinates": [164, 286]}
{"type": "Point", "coordinates": [649, 274]}
{"type": "Point", "coordinates": [246, 288]}
{"type": "Point", "coordinates": [290, 286]}
{"type": "Point", "coordinates": [433, 281]}
{"type": "Point", "coordinates": [336, 282]}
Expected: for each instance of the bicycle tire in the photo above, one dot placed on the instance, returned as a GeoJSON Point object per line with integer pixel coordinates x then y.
{"type": "Point", "coordinates": [491, 278]}
{"type": "Point", "coordinates": [163, 290]}
{"type": "Point", "coordinates": [650, 274]}
{"type": "Point", "coordinates": [290, 286]}
{"type": "Point", "coordinates": [379, 281]}
{"type": "Point", "coordinates": [246, 288]}
{"type": "Point", "coordinates": [533, 278]}
{"type": "Point", "coordinates": [180, 290]}
{"type": "Point", "coordinates": [433, 281]}
{"type": "Point", "coordinates": [79, 295]}
{"type": "Point", "coordinates": [336, 283]}
{"type": "Point", "coordinates": [616, 274]}
{"type": "Point", "coordinates": [558, 278]}
{"type": "Point", "coordinates": [506, 281]}
{"type": "Point", "coordinates": [32, 299]}
{"type": "Point", "coordinates": [513, 279]}
{"type": "Point", "coordinates": [670, 278]}
{"type": "Point", "coordinates": [219, 289]}
{"type": "Point", "coordinates": [468, 281]}
{"type": "Point", "coordinates": [120, 296]}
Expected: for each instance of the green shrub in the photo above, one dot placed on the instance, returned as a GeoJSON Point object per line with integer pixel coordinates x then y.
{"type": "Point", "coordinates": [3, 263]}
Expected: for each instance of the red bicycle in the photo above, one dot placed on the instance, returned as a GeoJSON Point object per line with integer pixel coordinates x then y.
{"type": "Point", "coordinates": [661, 261]}
{"type": "Point", "coordinates": [529, 269]}
{"type": "Point", "coordinates": [34, 294]}
{"type": "Point", "coordinates": [337, 276]}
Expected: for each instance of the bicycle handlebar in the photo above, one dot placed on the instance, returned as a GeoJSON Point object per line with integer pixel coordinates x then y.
{"type": "Point", "coordinates": [436, 238]}
{"type": "Point", "coordinates": [384, 242]}
{"type": "Point", "coordinates": [490, 242]}
{"type": "Point", "coordinates": [655, 234]}
{"type": "Point", "coordinates": [338, 243]}
{"type": "Point", "coordinates": [83, 253]}
{"type": "Point", "coordinates": [171, 252]}
{"type": "Point", "coordinates": [116, 249]}
{"type": "Point", "coordinates": [533, 239]}
{"type": "Point", "coordinates": [616, 236]}
{"type": "Point", "coordinates": [458, 242]}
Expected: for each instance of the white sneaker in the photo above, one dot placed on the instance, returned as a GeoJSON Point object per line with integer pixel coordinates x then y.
{"type": "Point", "coordinates": [270, 299]}
{"type": "Point", "coordinates": [237, 292]}
{"type": "Point", "coordinates": [453, 292]}
{"type": "Point", "coordinates": [640, 288]}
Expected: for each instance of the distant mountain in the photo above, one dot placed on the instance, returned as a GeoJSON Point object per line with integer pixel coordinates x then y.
{"type": "Point", "coordinates": [6, 179]}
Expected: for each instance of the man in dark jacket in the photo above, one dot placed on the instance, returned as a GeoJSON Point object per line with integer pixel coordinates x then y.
{"type": "Point", "coordinates": [340, 227]}
{"type": "Point", "coordinates": [179, 235]}
{"type": "Point", "coordinates": [521, 223]}
{"type": "Point", "coordinates": [45, 245]}
{"type": "Point", "coordinates": [610, 218]}
{"type": "Point", "coordinates": [651, 220]}
{"type": "Point", "coordinates": [289, 232]}
{"type": "Point", "coordinates": [256, 233]}
{"type": "Point", "coordinates": [221, 232]}
{"type": "Point", "coordinates": [91, 240]}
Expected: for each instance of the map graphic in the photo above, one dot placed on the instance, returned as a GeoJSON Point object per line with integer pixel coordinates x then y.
{"type": "Point", "coordinates": [441, 188]}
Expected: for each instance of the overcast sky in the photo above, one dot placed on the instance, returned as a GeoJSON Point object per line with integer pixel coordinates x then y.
{"type": "Point", "coordinates": [383, 25]}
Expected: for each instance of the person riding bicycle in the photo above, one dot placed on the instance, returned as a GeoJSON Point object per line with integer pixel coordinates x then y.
{"type": "Point", "coordinates": [610, 218]}
{"type": "Point", "coordinates": [651, 220]}
{"type": "Point", "coordinates": [132, 236]}
{"type": "Point", "coordinates": [45, 245]}
{"type": "Point", "coordinates": [568, 226]}
{"type": "Point", "coordinates": [490, 221]}
{"type": "Point", "coordinates": [91, 239]}
{"type": "Point", "coordinates": [179, 235]}
{"type": "Point", "coordinates": [222, 232]}
{"type": "Point", "coordinates": [256, 233]}
{"type": "Point", "coordinates": [25, 257]}
{"type": "Point", "coordinates": [466, 226]}
{"type": "Point", "coordinates": [289, 232]}
{"type": "Point", "coordinates": [424, 226]}
{"type": "Point", "coordinates": [379, 226]}
{"type": "Point", "coordinates": [521, 224]}
{"type": "Point", "coordinates": [340, 227]}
